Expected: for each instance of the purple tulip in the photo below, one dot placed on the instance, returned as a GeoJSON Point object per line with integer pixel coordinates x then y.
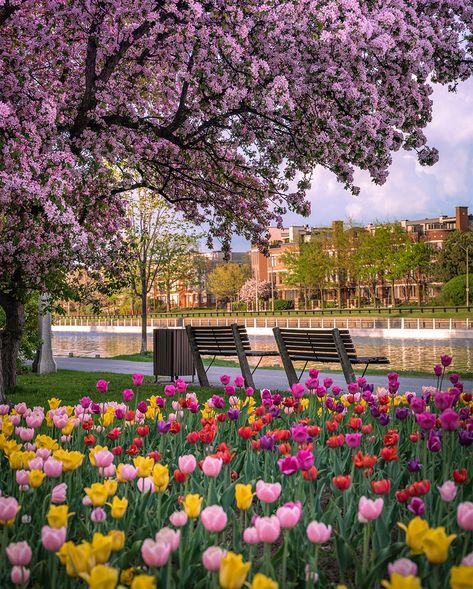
{"type": "Point", "coordinates": [305, 459]}
{"type": "Point", "coordinates": [416, 506]}
{"type": "Point", "coordinates": [336, 390]}
{"type": "Point", "coordinates": [417, 405]}
{"type": "Point", "coordinates": [233, 413]}
{"type": "Point", "coordinates": [288, 465]}
{"type": "Point", "coordinates": [299, 433]}
{"type": "Point", "coordinates": [446, 360]}
{"type": "Point", "coordinates": [414, 465]}
{"type": "Point", "coordinates": [434, 442]}
{"type": "Point", "coordinates": [384, 419]}
{"type": "Point", "coordinates": [402, 413]}
{"type": "Point", "coordinates": [85, 402]}
{"type": "Point", "coordinates": [465, 437]}
{"type": "Point", "coordinates": [218, 402]}
{"type": "Point", "coordinates": [454, 378]}
{"type": "Point", "coordinates": [438, 370]}
{"type": "Point", "coordinates": [266, 443]}
{"type": "Point", "coordinates": [163, 426]}
{"type": "Point", "coordinates": [449, 420]}
{"type": "Point", "coordinates": [426, 420]}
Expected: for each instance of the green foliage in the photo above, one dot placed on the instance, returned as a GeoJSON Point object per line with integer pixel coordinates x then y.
{"type": "Point", "coordinates": [454, 291]}
{"type": "Point", "coordinates": [451, 259]}
{"type": "Point", "coordinates": [226, 280]}
{"type": "Point", "coordinates": [282, 305]}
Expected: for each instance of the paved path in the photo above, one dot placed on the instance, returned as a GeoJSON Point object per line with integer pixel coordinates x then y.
{"type": "Point", "coordinates": [272, 379]}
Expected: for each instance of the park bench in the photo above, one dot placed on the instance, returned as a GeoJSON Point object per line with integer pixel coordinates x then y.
{"type": "Point", "coordinates": [227, 340]}
{"type": "Point", "coordinates": [320, 345]}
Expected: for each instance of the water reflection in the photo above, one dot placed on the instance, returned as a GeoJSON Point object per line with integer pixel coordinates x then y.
{"type": "Point", "coordinates": [407, 354]}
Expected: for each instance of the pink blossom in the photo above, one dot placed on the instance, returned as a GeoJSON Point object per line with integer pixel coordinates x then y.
{"type": "Point", "coordinates": [53, 538]}
{"type": "Point", "coordinates": [128, 395]}
{"type": "Point", "coordinates": [172, 537]}
{"type": "Point", "coordinates": [403, 567]}
{"type": "Point", "coordinates": [268, 528]}
{"type": "Point", "coordinates": [289, 514]}
{"type": "Point", "coordinates": [318, 533]}
{"type": "Point", "coordinates": [52, 468]}
{"type": "Point", "coordinates": [465, 515]}
{"type": "Point", "coordinates": [187, 463]}
{"type": "Point", "coordinates": [98, 515]}
{"type": "Point", "coordinates": [155, 554]}
{"type": "Point", "coordinates": [178, 519]}
{"type": "Point", "coordinates": [268, 492]}
{"type": "Point", "coordinates": [58, 494]}
{"type": "Point", "coordinates": [250, 535]}
{"type": "Point", "coordinates": [102, 386]}
{"type": "Point", "coordinates": [448, 491]}
{"type": "Point", "coordinates": [214, 518]}
{"type": "Point", "coordinates": [212, 557]}
{"type": "Point", "coordinates": [19, 553]}
{"type": "Point", "coordinates": [137, 379]}
{"type": "Point", "coordinates": [211, 467]}
{"type": "Point", "coordinates": [369, 509]}
{"type": "Point", "coordinates": [8, 509]}
{"type": "Point", "coordinates": [239, 381]}
{"type": "Point", "coordinates": [20, 575]}
{"type": "Point", "coordinates": [103, 458]}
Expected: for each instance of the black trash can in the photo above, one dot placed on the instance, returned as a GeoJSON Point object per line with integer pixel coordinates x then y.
{"type": "Point", "coordinates": [172, 356]}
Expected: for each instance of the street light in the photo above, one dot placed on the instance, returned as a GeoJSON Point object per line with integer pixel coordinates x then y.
{"type": "Point", "coordinates": [466, 250]}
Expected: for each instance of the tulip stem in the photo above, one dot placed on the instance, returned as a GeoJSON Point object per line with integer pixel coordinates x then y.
{"type": "Point", "coordinates": [366, 545]}
{"type": "Point", "coordinates": [284, 558]}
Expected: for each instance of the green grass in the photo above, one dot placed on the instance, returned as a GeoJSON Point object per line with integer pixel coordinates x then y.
{"type": "Point", "coordinates": [146, 357]}
{"type": "Point", "coordinates": [71, 385]}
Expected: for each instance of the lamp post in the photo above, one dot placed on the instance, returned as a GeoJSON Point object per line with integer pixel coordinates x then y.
{"type": "Point", "coordinates": [467, 251]}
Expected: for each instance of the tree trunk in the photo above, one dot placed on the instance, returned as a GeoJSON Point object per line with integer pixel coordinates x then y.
{"type": "Point", "coordinates": [10, 338]}
{"type": "Point", "coordinates": [144, 319]}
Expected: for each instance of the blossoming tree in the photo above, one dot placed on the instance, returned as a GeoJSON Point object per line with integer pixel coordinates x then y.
{"type": "Point", "coordinates": [223, 107]}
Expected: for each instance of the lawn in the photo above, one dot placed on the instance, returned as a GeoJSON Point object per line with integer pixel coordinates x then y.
{"type": "Point", "coordinates": [71, 385]}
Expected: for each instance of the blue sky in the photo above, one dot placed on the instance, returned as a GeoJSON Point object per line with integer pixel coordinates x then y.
{"type": "Point", "coordinates": [411, 191]}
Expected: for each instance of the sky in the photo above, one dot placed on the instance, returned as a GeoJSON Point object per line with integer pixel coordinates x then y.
{"type": "Point", "coordinates": [411, 191]}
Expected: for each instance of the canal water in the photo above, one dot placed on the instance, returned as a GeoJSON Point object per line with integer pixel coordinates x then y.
{"type": "Point", "coordinates": [404, 354]}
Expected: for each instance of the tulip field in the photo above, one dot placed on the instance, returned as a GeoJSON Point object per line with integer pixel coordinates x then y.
{"type": "Point", "coordinates": [312, 487]}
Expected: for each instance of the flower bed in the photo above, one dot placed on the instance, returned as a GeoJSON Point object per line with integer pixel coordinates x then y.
{"type": "Point", "coordinates": [313, 487]}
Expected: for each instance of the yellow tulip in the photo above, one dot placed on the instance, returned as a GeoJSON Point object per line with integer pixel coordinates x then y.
{"type": "Point", "coordinates": [7, 427]}
{"type": "Point", "coordinates": [62, 553]}
{"type": "Point", "coordinates": [111, 486]}
{"type": "Point", "coordinates": [399, 582]}
{"type": "Point", "coordinates": [126, 576]}
{"type": "Point", "coordinates": [67, 429]}
{"type": "Point", "coordinates": [143, 582]}
{"type": "Point", "coordinates": [79, 559]}
{"type": "Point", "coordinates": [98, 494]}
{"type": "Point", "coordinates": [15, 460]}
{"type": "Point", "coordinates": [101, 577]}
{"type": "Point", "coordinates": [261, 581]}
{"type": "Point", "coordinates": [54, 403]}
{"type": "Point", "coordinates": [233, 571]}
{"type": "Point", "coordinates": [192, 505]}
{"type": "Point", "coordinates": [243, 496]}
{"type": "Point", "coordinates": [160, 477]}
{"type": "Point", "coordinates": [436, 543]}
{"type": "Point", "coordinates": [144, 464]}
{"type": "Point", "coordinates": [26, 457]}
{"type": "Point", "coordinates": [461, 577]}
{"type": "Point", "coordinates": [415, 532]}
{"type": "Point", "coordinates": [119, 507]}
{"type": "Point", "coordinates": [36, 478]}
{"type": "Point", "coordinates": [107, 418]}
{"type": "Point", "coordinates": [70, 460]}
{"type": "Point", "coordinates": [101, 547]}
{"type": "Point", "coordinates": [58, 515]}
{"type": "Point", "coordinates": [44, 441]}
{"type": "Point", "coordinates": [118, 539]}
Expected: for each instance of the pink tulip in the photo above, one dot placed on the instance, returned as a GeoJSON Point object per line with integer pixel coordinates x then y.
{"type": "Point", "coordinates": [250, 536]}
{"type": "Point", "coordinates": [155, 554]}
{"type": "Point", "coordinates": [172, 537]}
{"type": "Point", "coordinates": [52, 468]}
{"type": "Point", "coordinates": [212, 557]}
{"type": "Point", "coordinates": [43, 453]}
{"type": "Point", "coordinates": [169, 390]}
{"type": "Point", "coordinates": [20, 575]}
{"type": "Point", "coordinates": [214, 518]}
{"type": "Point", "coordinates": [34, 420]}
{"type": "Point", "coordinates": [102, 386]}
{"type": "Point", "coordinates": [448, 491]}
{"type": "Point", "coordinates": [225, 379]}
{"type": "Point", "coordinates": [146, 484]}
{"type": "Point", "coordinates": [467, 560]}
{"type": "Point", "coordinates": [289, 514]}
{"type": "Point", "coordinates": [465, 515]}
{"type": "Point", "coordinates": [25, 434]}
{"type": "Point", "coordinates": [178, 519]}
{"type": "Point", "coordinates": [36, 464]}
{"type": "Point", "coordinates": [108, 472]}
{"type": "Point", "coordinates": [239, 381]}
{"type": "Point", "coordinates": [137, 379]}
{"type": "Point", "coordinates": [268, 528]}
{"type": "Point", "coordinates": [128, 472]}
{"type": "Point", "coordinates": [249, 392]}
{"type": "Point", "coordinates": [21, 408]}
{"type": "Point", "coordinates": [128, 395]}
{"type": "Point", "coordinates": [14, 419]}
{"type": "Point", "coordinates": [22, 477]}
{"type": "Point", "coordinates": [98, 515]}
{"type": "Point", "coordinates": [353, 440]}
{"type": "Point", "coordinates": [4, 409]}
{"type": "Point", "coordinates": [403, 567]}
{"type": "Point", "coordinates": [181, 385]}
{"type": "Point", "coordinates": [53, 538]}
{"type": "Point", "coordinates": [211, 467]}
{"type": "Point", "coordinates": [86, 501]}
{"type": "Point", "coordinates": [268, 492]}
{"type": "Point", "coordinates": [58, 494]}
{"type": "Point", "coordinates": [19, 553]}
{"type": "Point", "coordinates": [369, 510]}
{"type": "Point", "coordinates": [318, 533]}
{"type": "Point", "coordinates": [103, 458]}
{"type": "Point", "coordinates": [8, 509]}
{"type": "Point", "coordinates": [187, 463]}
{"type": "Point", "coordinates": [60, 421]}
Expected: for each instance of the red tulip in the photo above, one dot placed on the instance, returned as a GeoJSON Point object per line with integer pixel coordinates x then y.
{"type": "Point", "coordinates": [179, 476]}
{"type": "Point", "coordinates": [389, 454]}
{"type": "Point", "coordinates": [402, 495]}
{"type": "Point", "coordinates": [335, 441]}
{"type": "Point", "coordinates": [381, 487]}
{"type": "Point", "coordinates": [117, 450]}
{"type": "Point", "coordinates": [132, 450]}
{"type": "Point", "coordinates": [89, 440]}
{"type": "Point", "coordinates": [311, 474]}
{"type": "Point", "coordinates": [460, 476]}
{"type": "Point", "coordinates": [342, 482]}
{"type": "Point", "coordinates": [192, 437]}
{"type": "Point", "coordinates": [245, 432]}
{"type": "Point", "coordinates": [142, 430]}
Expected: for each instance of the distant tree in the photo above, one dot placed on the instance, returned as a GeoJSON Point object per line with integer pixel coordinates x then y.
{"type": "Point", "coordinates": [226, 280]}
{"type": "Point", "coordinates": [160, 249]}
{"type": "Point", "coordinates": [451, 260]}
{"type": "Point", "coordinates": [253, 289]}
{"type": "Point", "coordinates": [413, 264]}
{"type": "Point", "coordinates": [454, 291]}
{"type": "Point", "coordinates": [308, 268]}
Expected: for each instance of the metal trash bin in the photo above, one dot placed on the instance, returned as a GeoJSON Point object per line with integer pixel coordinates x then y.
{"type": "Point", "coordinates": [172, 356]}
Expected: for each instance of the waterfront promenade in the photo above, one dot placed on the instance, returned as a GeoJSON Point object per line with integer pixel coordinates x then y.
{"type": "Point", "coordinates": [272, 379]}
